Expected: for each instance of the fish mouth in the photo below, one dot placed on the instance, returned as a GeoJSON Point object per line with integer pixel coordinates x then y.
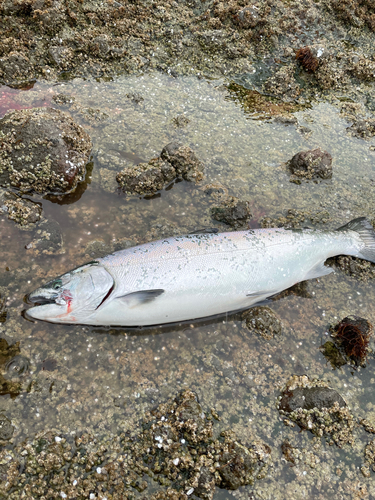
{"type": "Point", "coordinates": [45, 312]}
{"type": "Point", "coordinates": [40, 300]}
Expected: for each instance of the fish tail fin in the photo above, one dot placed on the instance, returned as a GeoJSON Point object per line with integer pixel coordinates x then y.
{"type": "Point", "coordinates": [364, 229]}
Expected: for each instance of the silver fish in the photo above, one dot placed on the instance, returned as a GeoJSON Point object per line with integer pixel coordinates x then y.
{"type": "Point", "coordinates": [196, 275]}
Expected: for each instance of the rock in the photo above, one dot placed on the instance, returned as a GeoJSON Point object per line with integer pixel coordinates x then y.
{"type": "Point", "coordinates": [362, 270]}
{"type": "Point", "coordinates": [175, 160]}
{"type": "Point", "coordinates": [7, 352]}
{"type": "Point", "coordinates": [263, 321]}
{"type": "Point", "coordinates": [237, 464]}
{"type": "Point", "coordinates": [48, 239]}
{"type": "Point", "coordinates": [248, 17]}
{"type": "Point", "coordinates": [215, 190]}
{"type": "Point", "coordinates": [22, 211]}
{"type": "Point", "coordinates": [352, 335]}
{"type": "Point", "coordinates": [232, 211]}
{"type": "Point", "coordinates": [14, 67]}
{"type": "Point", "coordinates": [3, 314]}
{"type": "Point", "coordinates": [180, 437]}
{"type": "Point", "coordinates": [184, 160]}
{"type": "Point", "coordinates": [309, 398]}
{"type": "Point", "coordinates": [313, 164]}
{"type": "Point", "coordinates": [61, 57]}
{"type": "Point", "coordinates": [42, 150]}
{"type": "Point", "coordinates": [364, 129]}
{"type": "Point", "coordinates": [146, 178]}
{"type": "Point", "coordinates": [6, 428]}
{"type": "Point", "coordinates": [369, 453]}
{"type": "Point", "coordinates": [333, 354]}
{"type": "Point", "coordinates": [314, 406]}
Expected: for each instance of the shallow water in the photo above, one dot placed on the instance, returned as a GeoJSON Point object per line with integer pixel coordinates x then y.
{"type": "Point", "coordinates": [102, 380]}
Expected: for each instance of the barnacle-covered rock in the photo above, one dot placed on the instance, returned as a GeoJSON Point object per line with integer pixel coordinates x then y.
{"type": "Point", "coordinates": [42, 150]}
{"type": "Point", "coordinates": [184, 160]}
{"type": "Point", "coordinates": [316, 407]}
{"type": "Point", "coordinates": [263, 321]}
{"type": "Point", "coordinates": [22, 211]}
{"type": "Point", "coordinates": [232, 211]}
{"type": "Point", "coordinates": [146, 178]}
{"type": "Point", "coordinates": [312, 164]}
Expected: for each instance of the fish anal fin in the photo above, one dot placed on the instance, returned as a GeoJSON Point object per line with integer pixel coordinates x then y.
{"type": "Point", "coordinates": [141, 297]}
{"type": "Point", "coordinates": [317, 271]}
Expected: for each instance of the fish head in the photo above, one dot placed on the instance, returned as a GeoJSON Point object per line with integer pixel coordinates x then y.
{"type": "Point", "coordinates": [72, 297]}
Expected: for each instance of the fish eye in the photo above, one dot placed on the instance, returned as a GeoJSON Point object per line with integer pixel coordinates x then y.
{"type": "Point", "coordinates": [57, 284]}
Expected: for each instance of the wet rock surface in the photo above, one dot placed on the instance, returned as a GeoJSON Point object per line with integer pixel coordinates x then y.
{"type": "Point", "coordinates": [263, 321]}
{"type": "Point", "coordinates": [146, 178]}
{"type": "Point", "coordinates": [22, 211]}
{"type": "Point", "coordinates": [232, 211]}
{"type": "Point", "coordinates": [47, 239]}
{"type": "Point", "coordinates": [352, 336]}
{"type": "Point", "coordinates": [316, 407]}
{"type": "Point", "coordinates": [363, 129]}
{"type": "Point", "coordinates": [313, 164]}
{"type": "Point", "coordinates": [175, 446]}
{"type": "Point", "coordinates": [175, 161]}
{"type": "Point", "coordinates": [184, 161]}
{"type": "Point", "coordinates": [42, 150]}
{"type": "Point", "coordinates": [369, 459]}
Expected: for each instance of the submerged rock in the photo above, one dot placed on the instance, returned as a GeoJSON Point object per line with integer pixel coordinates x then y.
{"type": "Point", "coordinates": [174, 446]}
{"type": "Point", "coordinates": [333, 354]}
{"type": "Point", "coordinates": [314, 406]}
{"type": "Point", "coordinates": [369, 459]}
{"type": "Point", "coordinates": [364, 129]}
{"type": "Point", "coordinates": [146, 178]}
{"type": "Point", "coordinates": [6, 428]}
{"type": "Point", "coordinates": [22, 211]}
{"type": "Point", "coordinates": [312, 164]}
{"type": "Point", "coordinates": [263, 321]}
{"type": "Point", "coordinates": [174, 161]}
{"type": "Point", "coordinates": [42, 150]}
{"type": "Point", "coordinates": [47, 239]}
{"type": "Point", "coordinates": [180, 437]}
{"type": "Point", "coordinates": [232, 211]}
{"type": "Point", "coordinates": [352, 335]}
{"type": "Point", "coordinates": [184, 160]}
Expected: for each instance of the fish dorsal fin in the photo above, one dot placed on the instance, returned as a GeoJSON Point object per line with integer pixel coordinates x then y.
{"type": "Point", "coordinates": [318, 271]}
{"type": "Point", "coordinates": [141, 297]}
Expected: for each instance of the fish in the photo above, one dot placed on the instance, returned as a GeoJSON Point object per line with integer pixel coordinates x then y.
{"type": "Point", "coordinates": [196, 275]}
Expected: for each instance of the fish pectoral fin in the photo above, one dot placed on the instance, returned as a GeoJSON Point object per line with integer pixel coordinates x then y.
{"type": "Point", "coordinates": [134, 299]}
{"type": "Point", "coordinates": [318, 271]}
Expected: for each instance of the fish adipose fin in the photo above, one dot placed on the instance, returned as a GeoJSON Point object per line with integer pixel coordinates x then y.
{"type": "Point", "coordinates": [142, 297]}
{"type": "Point", "coordinates": [367, 234]}
{"type": "Point", "coordinates": [318, 271]}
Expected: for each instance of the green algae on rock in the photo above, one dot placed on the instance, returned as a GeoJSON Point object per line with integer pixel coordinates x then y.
{"type": "Point", "coordinates": [314, 406]}
{"type": "Point", "coordinates": [42, 150]}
